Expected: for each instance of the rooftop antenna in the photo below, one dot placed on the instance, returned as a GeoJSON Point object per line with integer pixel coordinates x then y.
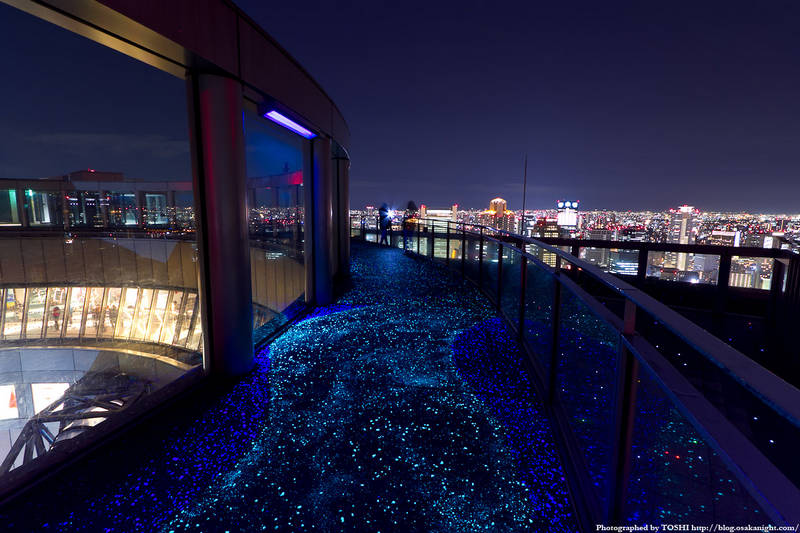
{"type": "Point", "coordinates": [524, 195]}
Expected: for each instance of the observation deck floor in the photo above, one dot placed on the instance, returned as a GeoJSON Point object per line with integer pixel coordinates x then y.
{"type": "Point", "coordinates": [404, 406]}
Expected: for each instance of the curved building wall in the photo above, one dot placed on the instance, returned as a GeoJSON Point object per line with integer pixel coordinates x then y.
{"type": "Point", "coordinates": [206, 228]}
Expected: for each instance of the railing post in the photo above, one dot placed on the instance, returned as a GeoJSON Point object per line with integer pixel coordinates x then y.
{"type": "Point", "coordinates": [641, 266]}
{"type": "Point", "coordinates": [418, 238]}
{"type": "Point", "coordinates": [624, 417]}
{"type": "Point", "coordinates": [499, 275]}
{"type": "Point", "coordinates": [431, 238]}
{"type": "Point", "coordinates": [447, 244]}
{"type": "Point", "coordinates": [463, 249]}
{"type": "Point", "coordinates": [480, 260]}
{"type": "Point", "coordinates": [555, 345]}
{"type": "Point", "coordinates": [363, 228]}
{"type": "Point", "coordinates": [576, 250]}
{"type": "Point", "coordinates": [523, 290]}
{"type": "Point", "coordinates": [723, 279]}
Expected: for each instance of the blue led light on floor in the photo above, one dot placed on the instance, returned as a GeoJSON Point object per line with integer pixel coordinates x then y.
{"type": "Point", "coordinates": [378, 413]}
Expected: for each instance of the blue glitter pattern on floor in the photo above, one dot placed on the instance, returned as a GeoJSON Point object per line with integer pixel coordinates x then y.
{"type": "Point", "coordinates": [402, 407]}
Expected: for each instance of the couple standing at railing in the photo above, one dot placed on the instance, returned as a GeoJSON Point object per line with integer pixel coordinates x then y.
{"type": "Point", "coordinates": [385, 220]}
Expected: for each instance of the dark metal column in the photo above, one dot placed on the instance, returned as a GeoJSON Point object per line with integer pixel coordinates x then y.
{"type": "Point", "coordinates": [343, 214]}
{"type": "Point", "coordinates": [322, 225]}
{"type": "Point", "coordinates": [624, 416]}
{"type": "Point", "coordinates": [220, 191]}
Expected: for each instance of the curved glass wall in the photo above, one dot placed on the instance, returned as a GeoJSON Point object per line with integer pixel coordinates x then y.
{"type": "Point", "coordinates": [277, 166]}
{"type": "Point", "coordinates": [98, 256]}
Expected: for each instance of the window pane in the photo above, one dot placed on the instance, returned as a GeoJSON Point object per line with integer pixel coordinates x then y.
{"type": "Point", "coordinates": [74, 312]}
{"type": "Point", "coordinates": [44, 394]}
{"type": "Point", "coordinates": [126, 312]}
{"type": "Point", "coordinates": [276, 170]}
{"type": "Point", "coordinates": [9, 214]}
{"type": "Point", "coordinates": [111, 312]}
{"type": "Point", "coordinates": [15, 307]}
{"type": "Point", "coordinates": [36, 302]}
{"type": "Point", "coordinates": [142, 315]}
{"type": "Point", "coordinates": [100, 190]}
{"type": "Point", "coordinates": [93, 310]}
{"type": "Point", "coordinates": [55, 311]}
{"type": "Point", "coordinates": [8, 402]}
{"type": "Point", "coordinates": [157, 315]}
{"type": "Point", "coordinates": [122, 210]}
{"type": "Point", "coordinates": [171, 318]}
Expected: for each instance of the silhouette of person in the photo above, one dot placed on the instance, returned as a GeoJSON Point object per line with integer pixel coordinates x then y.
{"type": "Point", "coordinates": [56, 315]}
{"type": "Point", "coordinates": [384, 222]}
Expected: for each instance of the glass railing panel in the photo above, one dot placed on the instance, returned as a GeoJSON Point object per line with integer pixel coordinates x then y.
{"type": "Point", "coordinates": [511, 285]}
{"type": "Point", "coordinates": [538, 325]}
{"type": "Point", "coordinates": [423, 241]}
{"type": "Point", "coordinates": [490, 268]}
{"type": "Point", "coordinates": [766, 427]}
{"type": "Point", "coordinates": [455, 244]}
{"type": "Point", "coordinates": [686, 267]}
{"type": "Point", "coordinates": [186, 319]}
{"type": "Point", "coordinates": [542, 254]}
{"type": "Point", "coordinates": [471, 264]}
{"type": "Point", "coordinates": [396, 239]}
{"type": "Point", "coordinates": [440, 245]}
{"type": "Point", "coordinates": [751, 272]}
{"type": "Point", "coordinates": [586, 381]}
{"type": "Point", "coordinates": [675, 475]}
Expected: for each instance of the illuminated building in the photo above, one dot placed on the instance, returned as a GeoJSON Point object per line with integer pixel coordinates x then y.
{"type": "Point", "coordinates": [568, 219]}
{"type": "Point", "coordinates": [598, 256]}
{"type": "Point", "coordinates": [498, 217]}
{"type": "Point", "coordinates": [725, 238]}
{"type": "Point", "coordinates": [681, 227]}
{"type": "Point", "coordinates": [439, 214]}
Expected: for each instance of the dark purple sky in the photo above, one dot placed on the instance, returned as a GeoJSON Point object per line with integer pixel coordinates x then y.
{"type": "Point", "coordinates": [620, 105]}
{"type": "Point", "coordinates": [639, 105]}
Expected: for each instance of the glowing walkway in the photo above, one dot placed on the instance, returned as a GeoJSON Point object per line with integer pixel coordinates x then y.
{"type": "Point", "coordinates": [383, 412]}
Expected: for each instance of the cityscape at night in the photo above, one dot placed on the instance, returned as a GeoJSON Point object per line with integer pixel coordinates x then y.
{"type": "Point", "coordinates": [433, 267]}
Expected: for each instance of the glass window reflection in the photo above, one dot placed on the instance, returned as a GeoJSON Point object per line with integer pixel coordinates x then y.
{"type": "Point", "coordinates": [37, 298]}
{"type": "Point", "coordinates": [277, 161]}
{"type": "Point", "coordinates": [9, 212]}
{"type": "Point", "coordinates": [14, 311]}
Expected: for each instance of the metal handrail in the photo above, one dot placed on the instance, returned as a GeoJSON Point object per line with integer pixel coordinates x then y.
{"type": "Point", "coordinates": [780, 395]}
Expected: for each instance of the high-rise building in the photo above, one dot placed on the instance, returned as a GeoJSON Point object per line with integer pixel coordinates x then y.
{"type": "Point", "coordinates": [725, 238]}
{"type": "Point", "coordinates": [681, 231]}
{"type": "Point", "coordinates": [546, 227]}
{"type": "Point", "coordinates": [598, 256]}
{"type": "Point", "coordinates": [498, 217]}
{"type": "Point", "coordinates": [625, 262]}
{"type": "Point", "coordinates": [567, 218]}
{"type": "Point", "coordinates": [439, 214]}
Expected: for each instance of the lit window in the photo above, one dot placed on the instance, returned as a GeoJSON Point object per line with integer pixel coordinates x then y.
{"type": "Point", "coordinates": [46, 393]}
{"type": "Point", "coordinates": [8, 402]}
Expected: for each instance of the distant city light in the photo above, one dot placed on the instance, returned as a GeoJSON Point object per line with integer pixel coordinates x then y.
{"type": "Point", "coordinates": [290, 124]}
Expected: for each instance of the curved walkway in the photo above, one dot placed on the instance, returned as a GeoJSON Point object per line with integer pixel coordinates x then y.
{"type": "Point", "coordinates": [380, 413]}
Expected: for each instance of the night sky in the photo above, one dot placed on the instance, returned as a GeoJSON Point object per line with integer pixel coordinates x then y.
{"type": "Point", "coordinates": [619, 105]}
